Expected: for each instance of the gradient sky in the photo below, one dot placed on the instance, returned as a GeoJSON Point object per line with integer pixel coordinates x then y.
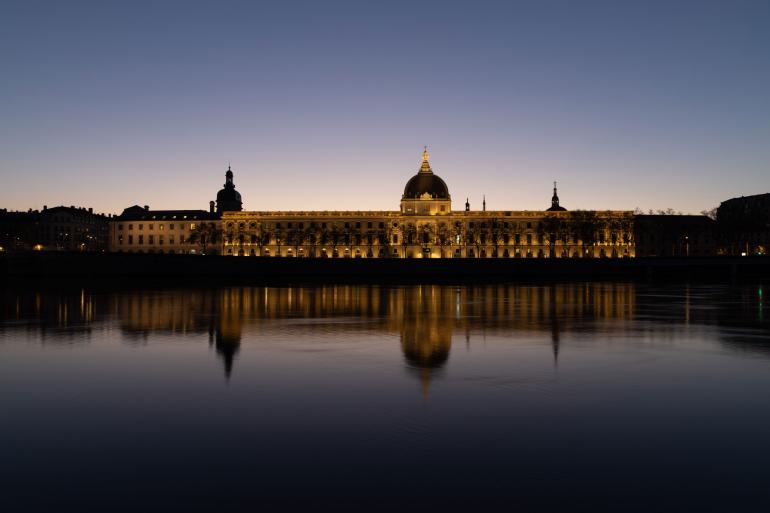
{"type": "Point", "coordinates": [326, 105]}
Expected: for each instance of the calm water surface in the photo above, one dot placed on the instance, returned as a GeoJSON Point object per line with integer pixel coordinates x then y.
{"type": "Point", "coordinates": [578, 397]}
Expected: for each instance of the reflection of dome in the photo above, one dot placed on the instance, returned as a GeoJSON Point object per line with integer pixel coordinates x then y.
{"type": "Point", "coordinates": [425, 354]}
{"type": "Point", "coordinates": [425, 182]}
{"type": "Point", "coordinates": [426, 343]}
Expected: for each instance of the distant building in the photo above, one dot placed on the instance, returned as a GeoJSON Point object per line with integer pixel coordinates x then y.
{"type": "Point", "coordinates": [675, 236]}
{"type": "Point", "coordinates": [744, 225]}
{"type": "Point", "coordinates": [141, 230]}
{"type": "Point", "coordinates": [54, 229]}
{"type": "Point", "coordinates": [425, 226]}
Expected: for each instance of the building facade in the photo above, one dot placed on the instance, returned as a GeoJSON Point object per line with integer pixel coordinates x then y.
{"type": "Point", "coordinates": [54, 229]}
{"type": "Point", "coordinates": [425, 226]}
{"type": "Point", "coordinates": [675, 236]}
{"type": "Point", "coordinates": [141, 230]}
{"type": "Point", "coordinates": [744, 225]}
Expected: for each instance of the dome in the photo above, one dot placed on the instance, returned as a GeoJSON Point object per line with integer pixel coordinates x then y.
{"type": "Point", "coordinates": [228, 199]}
{"type": "Point", "coordinates": [422, 183]}
{"type": "Point", "coordinates": [228, 194]}
{"type": "Point", "coordinates": [426, 182]}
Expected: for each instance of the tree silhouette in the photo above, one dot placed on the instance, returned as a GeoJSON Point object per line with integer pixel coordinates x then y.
{"type": "Point", "coordinates": [204, 235]}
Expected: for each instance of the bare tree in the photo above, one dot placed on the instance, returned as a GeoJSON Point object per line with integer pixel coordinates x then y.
{"type": "Point", "coordinates": [205, 235]}
{"type": "Point", "coordinates": [710, 213]}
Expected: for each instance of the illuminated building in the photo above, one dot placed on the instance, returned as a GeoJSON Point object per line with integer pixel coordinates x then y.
{"type": "Point", "coordinates": [141, 230]}
{"type": "Point", "coordinates": [425, 226]}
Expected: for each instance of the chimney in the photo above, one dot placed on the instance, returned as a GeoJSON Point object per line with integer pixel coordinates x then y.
{"type": "Point", "coordinates": [211, 207]}
{"type": "Point", "coordinates": [147, 207]}
{"type": "Point", "coordinates": [90, 210]}
{"type": "Point", "coordinates": [45, 207]}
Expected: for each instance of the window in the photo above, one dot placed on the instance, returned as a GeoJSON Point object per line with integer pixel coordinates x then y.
{"type": "Point", "coordinates": [171, 226]}
{"type": "Point", "coordinates": [529, 238]}
{"type": "Point", "coordinates": [120, 227]}
{"type": "Point", "coordinates": [160, 239]}
{"type": "Point", "coordinates": [358, 225]}
{"type": "Point", "coordinates": [382, 225]}
{"type": "Point", "coordinates": [151, 239]}
{"type": "Point", "coordinates": [181, 239]}
{"type": "Point", "coordinates": [171, 239]}
{"type": "Point", "coordinates": [395, 239]}
{"type": "Point", "coordinates": [529, 225]}
{"type": "Point", "coordinates": [141, 227]}
{"type": "Point", "coordinates": [130, 239]}
{"type": "Point", "coordinates": [120, 239]}
{"type": "Point", "coordinates": [151, 226]}
{"type": "Point", "coordinates": [443, 208]}
{"type": "Point", "coordinates": [192, 226]}
{"type": "Point", "coordinates": [141, 239]}
{"type": "Point", "coordinates": [301, 226]}
{"type": "Point", "coordinates": [130, 226]}
{"type": "Point", "coordinates": [369, 224]}
{"type": "Point", "coordinates": [160, 227]}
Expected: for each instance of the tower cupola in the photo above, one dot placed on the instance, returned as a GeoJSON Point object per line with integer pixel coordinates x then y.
{"type": "Point", "coordinates": [555, 202]}
{"type": "Point", "coordinates": [228, 199]}
{"type": "Point", "coordinates": [426, 193]}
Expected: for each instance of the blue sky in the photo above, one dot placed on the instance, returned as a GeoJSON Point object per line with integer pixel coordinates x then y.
{"type": "Point", "coordinates": [326, 105]}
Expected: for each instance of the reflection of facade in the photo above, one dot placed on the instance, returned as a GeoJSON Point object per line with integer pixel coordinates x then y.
{"type": "Point", "coordinates": [427, 227]}
{"type": "Point", "coordinates": [421, 320]}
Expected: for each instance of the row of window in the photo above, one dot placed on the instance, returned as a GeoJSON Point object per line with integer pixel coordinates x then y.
{"type": "Point", "coordinates": [301, 225]}
{"type": "Point", "coordinates": [470, 253]}
{"type": "Point", "coordinates": [151, 226]}
{"type": "Point", "coordinates": [381, 225]}
{"type": "Point", "coordinates": [151, 239]}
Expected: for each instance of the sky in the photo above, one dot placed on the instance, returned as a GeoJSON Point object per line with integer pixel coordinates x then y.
{"type": "Point", "coordinates": [327, 105]}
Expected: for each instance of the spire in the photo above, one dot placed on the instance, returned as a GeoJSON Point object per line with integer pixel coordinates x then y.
{"type": "Point", "coordinates": [555, 198]}
{"type": "Point", "coordinates": [467, 205]}
{"type": "Point", "coordinates": [228, 176]}
{"type": "Point", "coordinates": [484, 203]}
{"type": "Point", "coordinates": [425, 167]}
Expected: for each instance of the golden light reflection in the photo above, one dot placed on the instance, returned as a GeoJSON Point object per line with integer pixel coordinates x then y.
{"type": "Point", "coordinates": [423, 319]}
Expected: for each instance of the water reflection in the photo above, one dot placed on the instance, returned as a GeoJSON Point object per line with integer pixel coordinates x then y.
{"type": "Point", "coordinates": [424, 318]}
{"type": "Point", "coordinates": [219, 399]}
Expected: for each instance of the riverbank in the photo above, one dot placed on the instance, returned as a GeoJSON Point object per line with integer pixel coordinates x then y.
{"type": "Point", "coordinates": [160, 268]}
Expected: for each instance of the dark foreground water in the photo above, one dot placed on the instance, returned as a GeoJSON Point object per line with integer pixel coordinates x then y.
{"type": "Point", "coordinates": [579, 397]}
